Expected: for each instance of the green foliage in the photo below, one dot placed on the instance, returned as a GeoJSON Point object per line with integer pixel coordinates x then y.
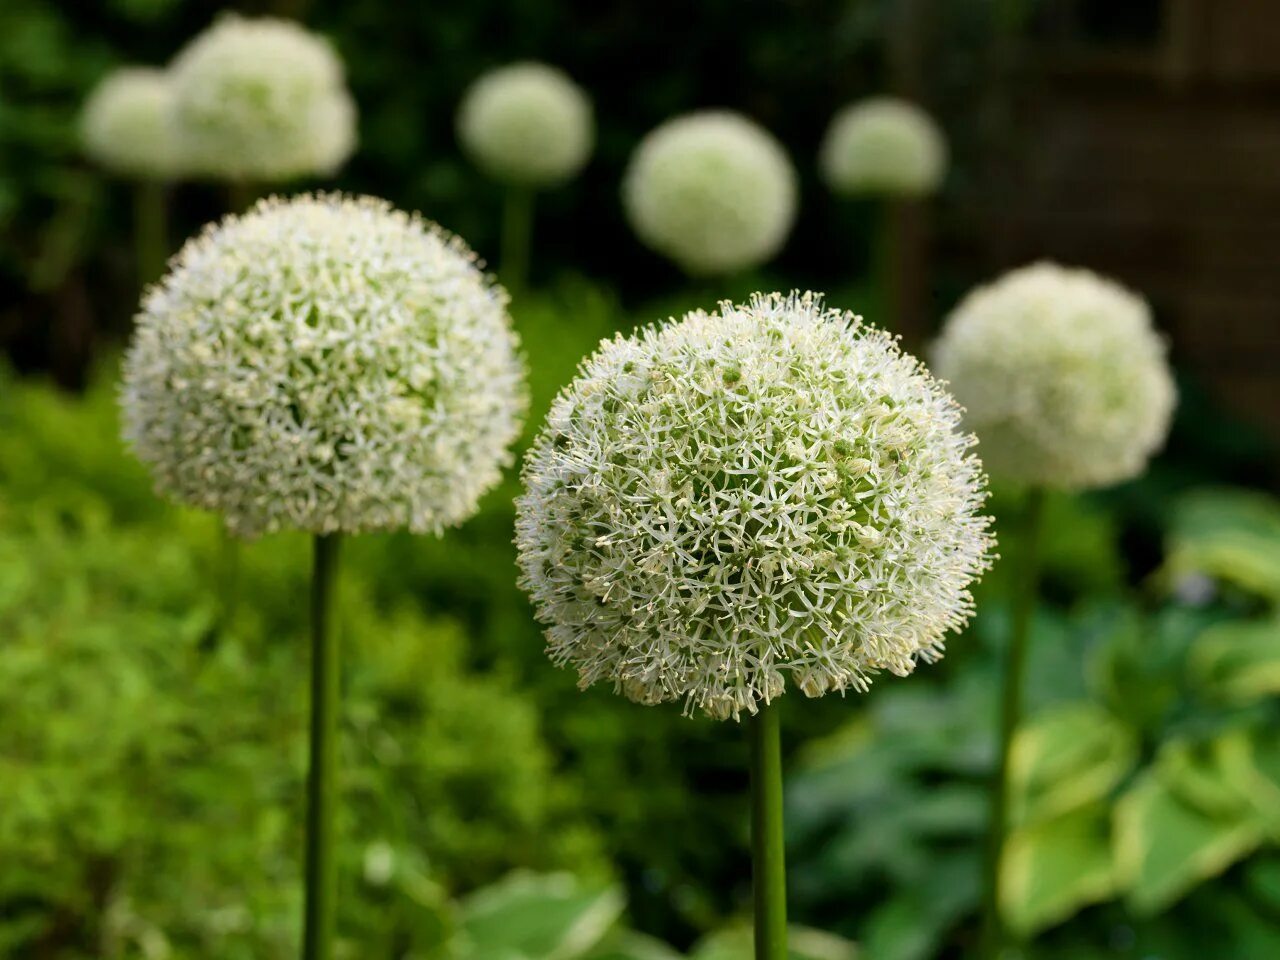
{"type": "Point", "coordinates": [153, 754]}
{"type": "Point", "coordinates": [528, 916]}
{"type": "Point", "coordinates": [1147, 766]}
{"type": "Point", "coordinates": [544, 917]}
{"type": "Point", "coordinates": [152, 751]}
{"type": "Point", "coordinates": [1054, 866]}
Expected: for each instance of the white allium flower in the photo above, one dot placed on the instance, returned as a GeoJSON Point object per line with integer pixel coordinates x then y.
{"type": "Point", "coordinates": [771, 491]}
{"type": "Point", "coordinates": [324, 363]}
{"type": "Point", "coordinates": [883, 146]}
{"type": "Point", "coordinates": [527, 123]}
{"type": "Point", "coordinates": [713, 191]}
{"type": "Point", "coordinates": [126, 124]}
{"type": "Point", "coordinates": [262, 100]}
{"type": "Point", "coordinates": [1063, 377]}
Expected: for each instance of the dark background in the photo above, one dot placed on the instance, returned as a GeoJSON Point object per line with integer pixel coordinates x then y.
{"type": "Point", "coordinates": [1137, 138]}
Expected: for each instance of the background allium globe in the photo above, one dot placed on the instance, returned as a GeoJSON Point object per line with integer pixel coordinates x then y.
{"type": "Point", "coordinates": [713, 191]}
{"type": "Point", "coordinates": [126, 124]}
{"type": "Point", "coordinates": [262, 100]}
{"type": "Point", "coordinates": [325, 363]}
{"type": "Point", "coordinates": [883, 145]}
{"type": "Point", "coordinates": [527, 124]}
{"type": "Point", "coordinates": [1062, 375]}
{"type": "Point", "coordinates": [769, 492]}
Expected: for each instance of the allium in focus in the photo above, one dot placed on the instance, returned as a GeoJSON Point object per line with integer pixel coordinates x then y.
{"type": "Point", "coordinates": [769, 495]}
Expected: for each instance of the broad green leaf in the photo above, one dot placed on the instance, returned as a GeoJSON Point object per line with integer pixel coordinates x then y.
{"type": "Point", "coordinates": [803, 943]}
{"type": "Point", "coordinates": [1237, 662]}
{"type": "Point", "coordinates": [1209, 775]}
{"type": "Point", "coordinates": [629, 945]}
{"type": "Point", "coordinates": [1251, 761]}
{"type": "Point", "coordinates": [1068, 757]}
{"type": "Point", "coordinates": [1054, 867]}
{"type": "Point", "coordinates": [538, 916]}
{"type": "Point", "coordinates": [1136, 663]}
{"type": "Point", "coordinates": [1165, 845]}
{"type": "Point", "coordinates": [1232, 535]}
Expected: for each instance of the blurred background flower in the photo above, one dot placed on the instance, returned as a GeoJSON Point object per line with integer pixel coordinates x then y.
{"type": "Point", "coordinates": [713, 191]}
{"type": "Point", "coordinates": [128, 126]}
{"type": "Point", "coordinates": [883, 146]}
{"type": "Point", "coordinates": [260, 101]}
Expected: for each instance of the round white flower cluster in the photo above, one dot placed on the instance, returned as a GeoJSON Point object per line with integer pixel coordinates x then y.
{"type": "Point", "coordinates": [712, 191]}
{"type": "Point", "coordinates": [328, 364]}
{"type": "Point", "coordinates": [527, 123]}
{"type": "Point", "coordinates": [767, 491]}
{"type": "Point", "coordinates": [1062, 375]}
{"type": "Point", "coordinates": [883, 146]}
{"type": "Point", "coordinates": [126, 124]}
{"type": "Point", "coordinates": [261, 100]}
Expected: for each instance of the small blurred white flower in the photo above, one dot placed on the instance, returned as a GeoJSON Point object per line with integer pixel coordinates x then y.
{"type": "Point", "coordinates": [127, 124]}
{"type": "Point", "coordinates": [261, 100]}
{"type": "Point", "coordinates": [379, 863]}
{"type": "Point", "coordinates": [883, 146]}
{"type": "Point", "coordinates": [713, 191]}
{"type": "Point", "coordinates": [1062, 376]}
{"type": "Point", "coordinates": [527, 123]}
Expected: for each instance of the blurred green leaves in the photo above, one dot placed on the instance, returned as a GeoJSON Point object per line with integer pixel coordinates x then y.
{"type": "Point", "coordinates": [1148, 765]}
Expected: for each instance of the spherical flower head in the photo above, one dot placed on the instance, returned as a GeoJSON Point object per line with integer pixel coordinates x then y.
{"type": "Point", "coordinates": [261, 100]}
{"type": "Point", "coordinates": [126, 124]}
{"type": "Point", "coordinates": [328, 364]}
{"type": "Point", "coordinates": [1063, 377]}
{"type": "Point", "coordinates": [712, 191]}
{"type": "Point", "coordinates": [883, 146]}
{"type": "Point", "coordinates": [527, 124]}
{"type": "Point", "coordinates": [769, 493]}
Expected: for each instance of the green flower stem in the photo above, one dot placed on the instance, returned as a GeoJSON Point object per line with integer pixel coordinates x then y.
{"type": "Point", "coordinates": [883, 261]}
{"type": "Point", "coordinates": [517, 235]}
{"type": "Point", "coordinates": [229, 572]}
{"type": "Point", "coordinates": [1026, 588]}
{"type": "Point", "coordinates": [768, 857]}
{"type": "Point", "coordinates": [150, 230]}
{"type": "Point", "coordinates": [322, 789]}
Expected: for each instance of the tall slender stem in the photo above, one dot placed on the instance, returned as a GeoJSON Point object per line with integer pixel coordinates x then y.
{"type": "Point", "coordinates": [768, 857]}
{"type": "Point", "coordinates": [321, 865]}
{"type": "Point", "coordinates": [517, 234]}
{"type": "Point", "coordinates": [1026, 588]}
{"type": "Point", "coordinates": [150, 230]}
{"type": "Point", "coordinates": [229, 574]}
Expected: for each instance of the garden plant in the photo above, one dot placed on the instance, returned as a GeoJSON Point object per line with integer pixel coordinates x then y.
{"type": "Point", "coordinates": [276, 604]}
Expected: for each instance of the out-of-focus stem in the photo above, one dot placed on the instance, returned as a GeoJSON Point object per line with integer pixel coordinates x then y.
{"type": "Point", "coordinates": [995, 935]}
{"type": "Point", "coordinates": [150, 230]}
{"type": "Point", "coordinates": [768, 855]}
{"type": "Point", "coordinates": [517, 236]}
{"type": "Point", "coordinates": [322, 788]}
